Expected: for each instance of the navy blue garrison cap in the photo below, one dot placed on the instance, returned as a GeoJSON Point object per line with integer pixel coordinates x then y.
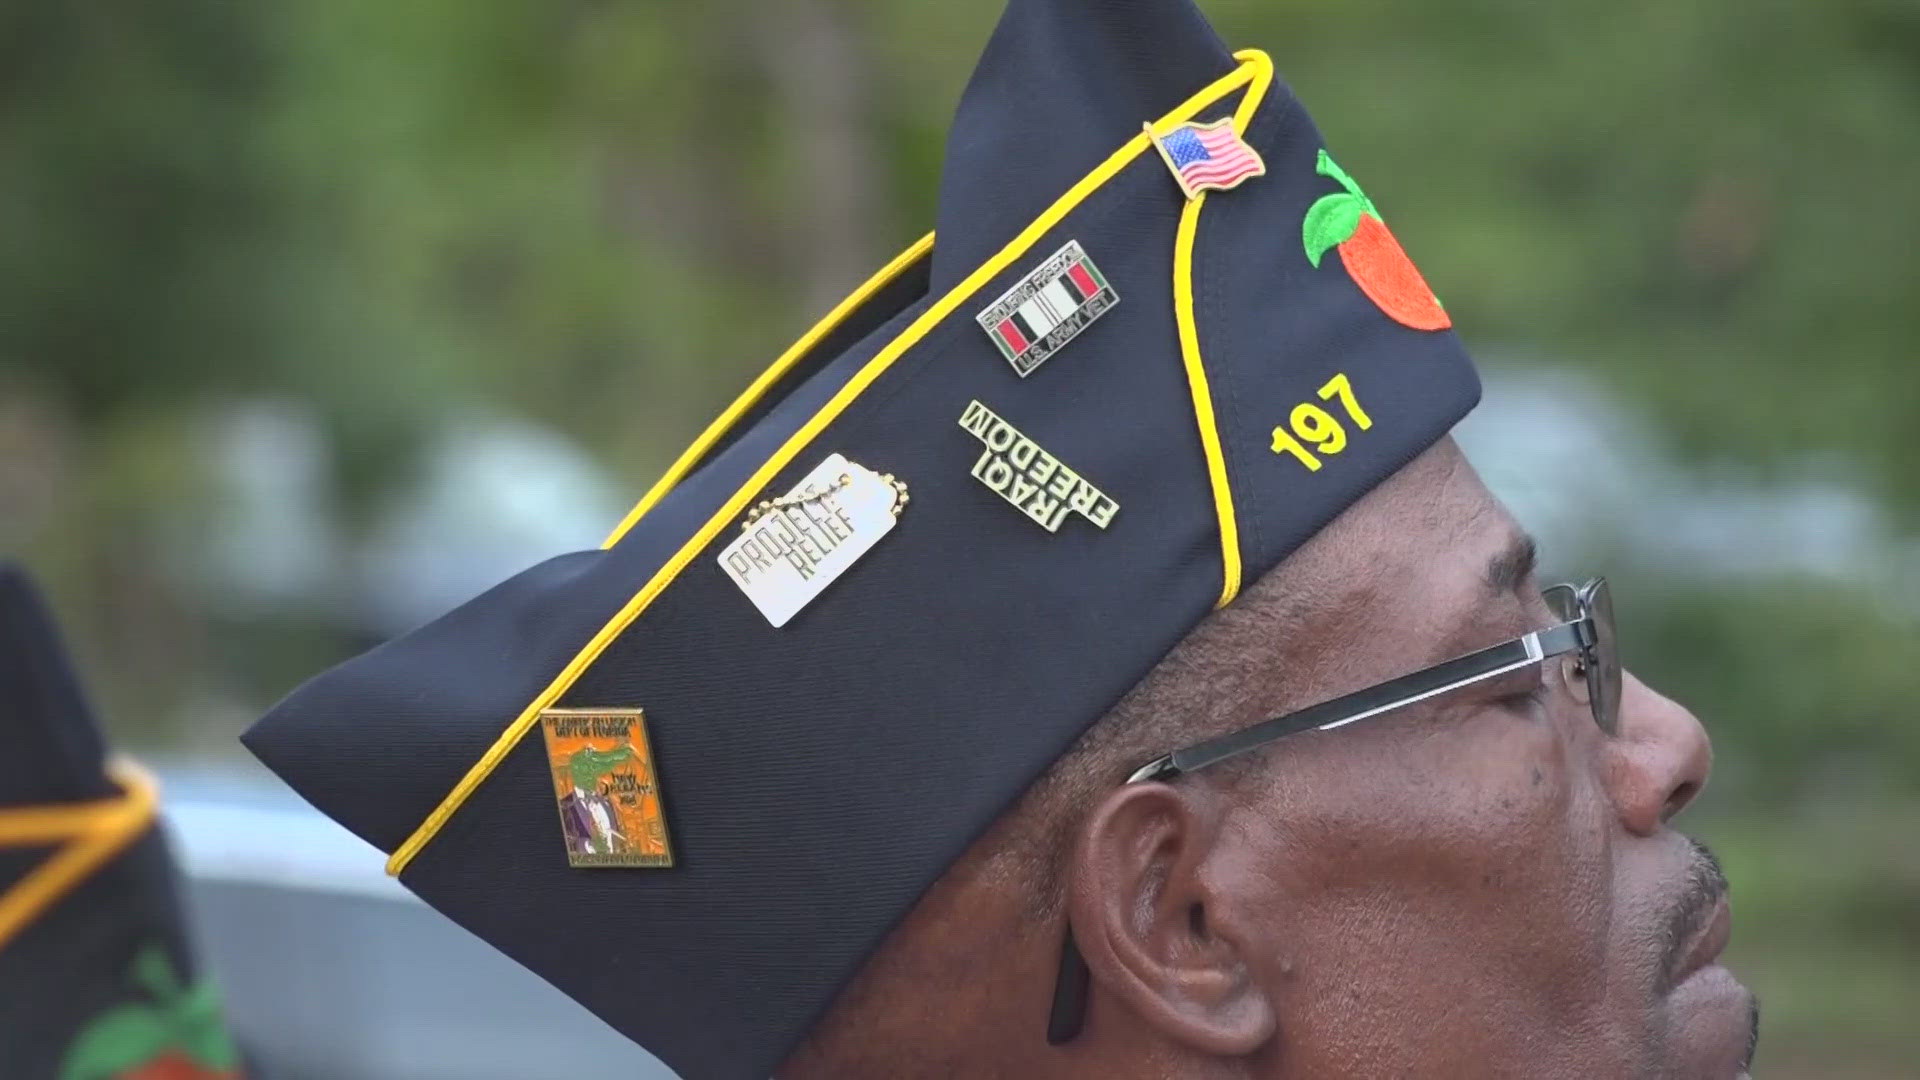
{"type": "Point", "coordinates": [692, 778]}
{"type": "Point", "coordinates": [96, 977]}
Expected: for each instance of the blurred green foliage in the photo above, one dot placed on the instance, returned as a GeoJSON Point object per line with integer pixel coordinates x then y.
{"type": "Point", "coordinates": [608, 216]}
{"type": "Point", "coordinates": [1809, 693]}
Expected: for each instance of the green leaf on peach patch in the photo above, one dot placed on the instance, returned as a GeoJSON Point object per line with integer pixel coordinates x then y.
{"type": "Point", "coordinates": [1329, 222]}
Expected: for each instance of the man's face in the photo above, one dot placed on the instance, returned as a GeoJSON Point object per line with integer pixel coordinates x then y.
{"type": "Point", "coordinates": [1481, 885]}
{"type": "Point", "coordinates": [1485, 884]}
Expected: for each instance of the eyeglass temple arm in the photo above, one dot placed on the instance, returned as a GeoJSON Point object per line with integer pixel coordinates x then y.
{"type": "Point", "coordinates": [1387, 696]}
{"type": "Point", "coordinates": [1068, 1012]}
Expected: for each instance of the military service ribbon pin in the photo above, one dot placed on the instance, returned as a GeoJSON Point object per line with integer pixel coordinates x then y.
{"type": "Point", "coordinates": [1037, 483]}
{"type": "Point", "coordinates": [1047, 308]}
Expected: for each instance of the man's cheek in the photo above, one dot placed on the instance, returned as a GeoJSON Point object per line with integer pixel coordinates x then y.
{"type": "Point", "coordinates": [1489, 801]}
{"type": "Point", "coordinates": [1503, 785]}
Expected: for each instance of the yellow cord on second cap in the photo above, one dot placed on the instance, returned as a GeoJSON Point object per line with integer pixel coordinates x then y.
{"type": "Point", "coordinates": [88, 834]}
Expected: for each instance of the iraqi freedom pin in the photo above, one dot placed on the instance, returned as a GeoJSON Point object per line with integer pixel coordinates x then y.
{"type": "Point", "coordinates": [603, 779]}
{"type": "Point", "coordinates": [791, 548]}
{"type": "Point", "coordinates": [1031, 479]}
{"type": "Point", "coordinates": [1047, 308]}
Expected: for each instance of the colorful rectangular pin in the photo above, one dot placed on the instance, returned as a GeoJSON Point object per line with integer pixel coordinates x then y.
{"type": "Point", "coordinates": [606, 787]}
{"type": "Point", "coordinates": [1047, 308]}
{"type": "Point", "coordinates": [791, 548]}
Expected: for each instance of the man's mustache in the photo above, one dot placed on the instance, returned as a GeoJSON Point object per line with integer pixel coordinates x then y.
{"type": "Point", "coordinates": [1705, 887]}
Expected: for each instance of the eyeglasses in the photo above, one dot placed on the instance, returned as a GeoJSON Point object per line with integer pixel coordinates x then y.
{"type": "Point", "coordinates": [1583, 643]}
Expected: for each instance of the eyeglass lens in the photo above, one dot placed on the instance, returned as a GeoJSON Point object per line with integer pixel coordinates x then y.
{"type": "Point", "coordinates": [1593, 674]}
{"type": "Point", "coordinates": [1604, 675]}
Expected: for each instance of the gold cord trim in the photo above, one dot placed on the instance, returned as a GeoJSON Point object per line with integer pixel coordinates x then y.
{"type": "Point", "coordinates": [86, 835]}
{"type": "Point", "coordinates": [693, 455]}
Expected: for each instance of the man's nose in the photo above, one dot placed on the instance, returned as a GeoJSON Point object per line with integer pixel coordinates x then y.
{"type": "Point", "coordinates": [1658, 761]}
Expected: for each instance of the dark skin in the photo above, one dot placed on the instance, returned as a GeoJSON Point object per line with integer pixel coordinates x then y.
{"type": "Point", "coordinates": [1484, 885]}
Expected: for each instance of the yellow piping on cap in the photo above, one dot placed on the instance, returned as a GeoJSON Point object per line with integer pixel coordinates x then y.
{"type": "Point", "coordinates": [1256, 90]}
{"type": "Point", "coordinates": [88, 833]}
{"type": "Point", "coordinates": [722, 424]}
{"type": "Point", "coordinates": [1190, 345]}
{"type": "Point", "coordinates": [1254, 69]}
{"type": "Point", "coordinates": [1203, 400]}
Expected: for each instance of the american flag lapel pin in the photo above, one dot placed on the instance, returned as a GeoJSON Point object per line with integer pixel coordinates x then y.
{"type": "Point", "coordinates": [1047, 308]}
{"type": "Point", "coordinates": [1205, 157]}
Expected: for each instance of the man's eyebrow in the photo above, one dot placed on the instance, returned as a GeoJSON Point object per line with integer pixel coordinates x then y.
{"type": "Point", "coordinates": [1512, 568]}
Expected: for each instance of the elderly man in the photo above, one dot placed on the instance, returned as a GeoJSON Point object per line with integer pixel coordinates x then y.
{"type": "Point", "coordinates": [1084, 654]}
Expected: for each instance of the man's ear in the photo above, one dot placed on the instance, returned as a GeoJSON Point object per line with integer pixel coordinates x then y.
{"type": "Point", "coordinates": [1147, 915]}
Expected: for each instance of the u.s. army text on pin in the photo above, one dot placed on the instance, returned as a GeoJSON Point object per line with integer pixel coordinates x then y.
{"type": "Point", "coordinates": [1047, 308]}
{"type": "Point", "coordinates": [1031, 479]}
{"type": "Point", "coordinates": [791, 548]}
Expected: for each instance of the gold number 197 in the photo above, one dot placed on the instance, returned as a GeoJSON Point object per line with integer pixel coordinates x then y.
{"type": "Point", "coordinates": [1312, 424]}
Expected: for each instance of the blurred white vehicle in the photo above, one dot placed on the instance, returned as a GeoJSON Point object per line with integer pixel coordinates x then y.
{"type": "Point", "coordinates": [332, 971]}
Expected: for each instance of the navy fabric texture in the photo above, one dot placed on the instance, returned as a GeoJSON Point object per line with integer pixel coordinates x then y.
{"type": "Point", "coordinates": [47, 752]}
{"type": "Point", "coordinates": [1061, 85]}
{"type": "Point", "coordinates": [818, 777]}
{"type": "Point", "coordinates": [72, 965]}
